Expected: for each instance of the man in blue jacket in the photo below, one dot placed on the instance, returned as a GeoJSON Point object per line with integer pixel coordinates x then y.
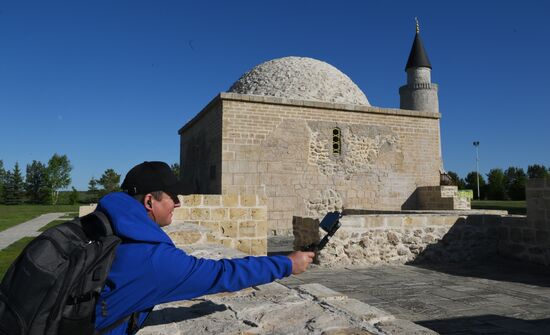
{"type": "Point", "coordinates": [149, 270]}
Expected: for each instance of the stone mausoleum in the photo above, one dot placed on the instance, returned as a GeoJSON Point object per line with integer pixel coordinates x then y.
{"type": "Point", "coordinates": [302, 136]}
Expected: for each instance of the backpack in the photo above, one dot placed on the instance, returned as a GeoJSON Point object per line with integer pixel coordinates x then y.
{"type": "Point", "coordinates": [53, 286]}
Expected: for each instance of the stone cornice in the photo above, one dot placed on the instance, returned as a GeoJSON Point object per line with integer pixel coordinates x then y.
{"type": "Point", "coordinates": [310, 104]}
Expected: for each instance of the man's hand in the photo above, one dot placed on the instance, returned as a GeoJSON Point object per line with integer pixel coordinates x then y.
{"type": "Point", "coordinates": [300, 261]}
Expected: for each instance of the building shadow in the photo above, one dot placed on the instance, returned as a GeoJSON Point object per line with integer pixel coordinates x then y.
{"type": "Point", "coordinates": [488, 324]}
{"type": "Point", "coordinates": [179, 314]}
{"type": "Point", "coordinates": [411, 202]}
{"type": "Point", "coordinates": [470, 249]}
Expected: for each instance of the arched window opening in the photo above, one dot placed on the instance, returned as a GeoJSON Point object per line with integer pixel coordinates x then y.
{"type": "Point", "coordinates": [336, 141]}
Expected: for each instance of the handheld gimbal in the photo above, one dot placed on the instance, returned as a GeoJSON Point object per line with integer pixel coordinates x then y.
{"type": "Point", "coordinates": [330, 224]}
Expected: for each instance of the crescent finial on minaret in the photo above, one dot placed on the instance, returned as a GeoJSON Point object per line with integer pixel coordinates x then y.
{"type": "Point", "coordinates": [417, 25]}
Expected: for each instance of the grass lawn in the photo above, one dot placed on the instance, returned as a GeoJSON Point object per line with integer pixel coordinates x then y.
{"type": "Point", "coordinates": [53, 223]}
{"type": "Point", "coordinates": [9, 254]}
{"type": "Point", "coordinates": [513, 207]}
{"type": "Point", "coordinates": [14, 215]}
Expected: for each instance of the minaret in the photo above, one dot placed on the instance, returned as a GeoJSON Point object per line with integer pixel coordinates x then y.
{"type": "Point", "coordinates": [419, 93]}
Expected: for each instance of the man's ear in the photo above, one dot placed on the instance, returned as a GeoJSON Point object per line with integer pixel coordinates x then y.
{"type": "Point", "coordinates": [148, 201]}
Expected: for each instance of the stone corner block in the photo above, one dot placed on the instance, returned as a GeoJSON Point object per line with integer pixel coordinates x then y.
{"type": "Point", "coordinates": [361, 310]}
{"type": "Point", "coordinates": [320, 292]}
{"type": "Point", "coordinates": [211, 200]}
{"type": "Point", "coordinates": [248, 200]}
{"type": "Point", "coordinates": [272, 287]}
{"type": "Point", "coordinates": [192, 200]}
{"type": "Point", "coordinates": [84, 210]}
{"type": "Point", "coordinates": [230, 200]}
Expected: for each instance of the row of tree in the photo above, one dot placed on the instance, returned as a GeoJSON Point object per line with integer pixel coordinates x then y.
{"type": "Point", "coordinates": [110, 181]}
{"type": "Point", "coordinates": [41, 184]}
{"type": "Point", "coordinates": [501, 184]}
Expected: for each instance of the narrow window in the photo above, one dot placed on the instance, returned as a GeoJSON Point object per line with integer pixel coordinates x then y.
{"type": "Point", "coordinates": [336, 141]}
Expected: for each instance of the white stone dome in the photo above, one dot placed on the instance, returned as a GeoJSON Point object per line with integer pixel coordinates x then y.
{"type": "Point", "coordinates": [300, 78]}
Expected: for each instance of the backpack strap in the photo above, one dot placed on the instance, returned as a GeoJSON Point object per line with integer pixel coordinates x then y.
{"type": "Point", "coordinates": [105, 223]}
{"type": "Point", "coordinates": [96, 225]}
{"type": "Point", "coordinates": [132, 325]}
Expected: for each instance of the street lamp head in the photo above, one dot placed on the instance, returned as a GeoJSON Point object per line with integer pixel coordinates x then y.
{"type": "Point", "coordinates": [476, 143]}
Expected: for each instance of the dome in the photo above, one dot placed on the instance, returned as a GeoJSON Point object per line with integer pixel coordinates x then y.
{"type": "Point", "coordinates": [300, 78]}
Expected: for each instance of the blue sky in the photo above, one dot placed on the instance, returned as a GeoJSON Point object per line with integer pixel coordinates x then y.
{"type": "Point", "coordinates": [109, 83]}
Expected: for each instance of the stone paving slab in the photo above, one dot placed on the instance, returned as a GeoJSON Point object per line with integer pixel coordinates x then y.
{"type": "Point", "coordinates": [28, 228]}
{"type": "Point", "coordinates": [274, 309]}
{"type": "Point", "coordinates": [496, 296]}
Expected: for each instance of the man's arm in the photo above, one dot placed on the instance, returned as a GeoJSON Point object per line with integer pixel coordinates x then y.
{"type": "Point", "coordinates": [181, 276]}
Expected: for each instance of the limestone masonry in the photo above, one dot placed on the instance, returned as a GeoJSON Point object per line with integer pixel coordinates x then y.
{"type": "Point", "coordinates": [300, 133]}
{"type": "Point", "coordinates": [283, 149]}
{"type": "Point", "coordinates": [436, 236]}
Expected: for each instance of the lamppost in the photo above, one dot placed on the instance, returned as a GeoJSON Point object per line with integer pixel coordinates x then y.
{"type": "Point", "coordinates": [476, 144]}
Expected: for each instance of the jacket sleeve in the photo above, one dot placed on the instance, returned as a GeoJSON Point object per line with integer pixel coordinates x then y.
{"type": "Point", "coordinates": [180, 276]}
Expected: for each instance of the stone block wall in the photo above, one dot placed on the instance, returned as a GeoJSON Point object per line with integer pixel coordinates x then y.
{"type": "Point", "coordinates": [201, 151]}
{"type": "Point", "coordinates": [235, 221]}
{"type": "Point", "coordinates": [399, 239]}
{"type": "Point", "coordinates": [441, 198]}
{"type": "Point", "coordinates": [529, 239]}
{"type": "Point", "coordinates": [282, 149]}
{"type": "Point", "coordinates": [455, 236]}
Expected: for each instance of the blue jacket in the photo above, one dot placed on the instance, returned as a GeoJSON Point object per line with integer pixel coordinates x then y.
{"type": "Point", "coordinates": [149, 270]}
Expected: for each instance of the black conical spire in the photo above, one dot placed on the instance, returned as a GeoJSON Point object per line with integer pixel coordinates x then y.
{"type": "Point", "coordinates": [418, 56]}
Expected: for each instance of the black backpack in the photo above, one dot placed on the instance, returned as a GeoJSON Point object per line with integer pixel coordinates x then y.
{"type": "Point", "coordinates": [53, 286]}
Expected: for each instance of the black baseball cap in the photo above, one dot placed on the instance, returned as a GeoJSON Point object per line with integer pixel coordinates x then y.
{"type": "Point", "coordinates": [149, 177]}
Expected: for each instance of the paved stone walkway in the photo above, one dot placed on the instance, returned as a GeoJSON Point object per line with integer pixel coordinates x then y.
{"type": "Point", "coordinates": [29, 228]}
{"type": "Point", "coordinates": [311, 309]}
{"type": "Point", "coordinates": [494, 297]}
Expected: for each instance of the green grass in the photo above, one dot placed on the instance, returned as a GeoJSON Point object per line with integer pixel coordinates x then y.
{"type": "Point", "coordinates": [51, 224]}
{"type": "Point", "coordinates": [10, 253]}
{"type": "Point", "coordinates": [513, 207]}
{"type": "Point", "coordinates": [14, 215]}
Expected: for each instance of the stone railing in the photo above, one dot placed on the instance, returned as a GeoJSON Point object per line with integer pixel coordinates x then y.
{"type": "Point", "coordinates": [436, 236]}
{"type": "Point", "coordinates": [529, 239]}
{"type": "Point", "coordinates": [442, 198]}
{"type": "Point", "coordinates": [402, 238]}
{"type": "Point", "coordinates": [235, 221]}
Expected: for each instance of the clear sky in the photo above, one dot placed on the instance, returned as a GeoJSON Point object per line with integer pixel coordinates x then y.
{"type": "Point", "coordinates": [109, 83]}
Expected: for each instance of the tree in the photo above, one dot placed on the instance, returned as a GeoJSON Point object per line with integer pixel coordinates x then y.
{"type": "Point", "coordinates": [73, 196]}
{"type": "Point", "coordinates": [515, 183]}
{"type": "Point", "coordinates": [110, 181]}
{"type": "Point", "coordinates": [92, 190]}
{"type": "Point", "coordinates": [496, 186]}
{"type": "Point", "coordinates": [457, 180]}
{"type": "Point", "coordinates": [537, 171]}
{"type": "Point", "coordinates": [471, 183]}
{"type": "Point", "coordinates": [59, 174]}
{"type": "Point", "coordinates": [176, 169]}
{"type": "Point", "coordinates": [37, 186]}
{"type": "Point", "coordinates": [14, 187]}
